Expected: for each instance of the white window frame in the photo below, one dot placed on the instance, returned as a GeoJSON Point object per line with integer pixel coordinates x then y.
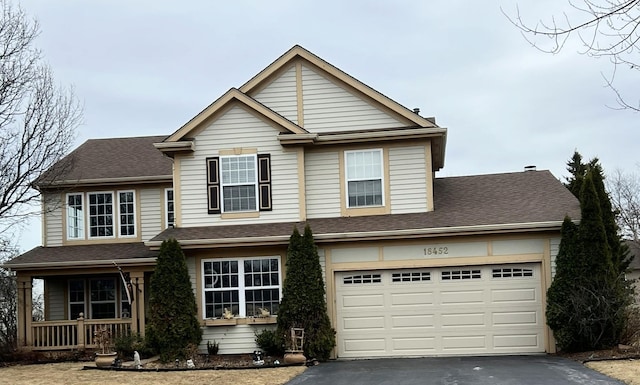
{"type": "Point", "coordinates": [116, 299]}
{"type": "Point", "coordinates": [242, 288]}
{"type": "Point", "coordinates": [360, 179]}
{"type": "Point", "coordinates": [114, 213]}
{"type": "Point", "coordinates": [254, 161]}
{"type": "Point", "coordinates": [75, 221]}
{"type": "Point", "coordinates": [134, 213]}
{"type": "Point", "coordinates": [169, 223]}
{"type": "Point", "coordinates": [84, 296]}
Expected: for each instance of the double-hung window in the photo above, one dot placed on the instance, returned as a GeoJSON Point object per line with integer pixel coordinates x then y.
{"type": "Point", "coordinates": [75, 217]}
{"type": "Point", "coordinates": [242, 286]}
{"type": "Point", "coordinates": [364, 178]}
{"type": "Point", "coordinates": [126, 209]}
{"type": "Point", "coordinates": [169, 207]}
{"type": "Point", "coordinates": [103, 298]}
{"type": "Point", "coordinates": [76, 298]}
{"type": "Point", "coordinates": [101, 215]}
{"type": "Point", "coordinates": [239, 183]}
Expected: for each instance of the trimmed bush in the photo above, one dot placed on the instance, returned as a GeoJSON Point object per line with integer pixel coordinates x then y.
{"type": "Point", "coordinates": [270, 342]}
{"type": "Point", "coordinates": [303, 303]}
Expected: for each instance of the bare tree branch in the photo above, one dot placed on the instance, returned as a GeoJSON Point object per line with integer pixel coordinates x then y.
{"type": "Point", "coordinates": [37, 118]}
{"type": "Point", "coordinates": [624, 191]}
{"type": "Point", "coordinates": [609, 28]}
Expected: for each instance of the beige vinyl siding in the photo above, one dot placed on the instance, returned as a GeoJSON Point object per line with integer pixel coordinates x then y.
{"type": "Point", "coordinates": [234, 339]}
{"type": "Point", "coordinates": [238, 128]}
{"type": "Point", "coordinates": [408, 179]}
{"type": "Point", "coordinates": [328, 107]}
{"type": "Point", "coordinates": [322, 184]}
{"type": "Point", "coordinates": [280, 95]}
{"type": "Point", "coordinates": [53, 220]}
{"type": "Point", "coordinates": [55, 289]}
{"type": "Point", "coordinates": [150, 212]}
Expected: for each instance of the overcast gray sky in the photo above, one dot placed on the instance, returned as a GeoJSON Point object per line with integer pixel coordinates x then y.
{"type": "Point", "coordinates": [146, 67]}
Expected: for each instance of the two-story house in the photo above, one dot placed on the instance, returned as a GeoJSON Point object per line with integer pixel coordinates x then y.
{"type": "Point", "coordinates": [414, 265]}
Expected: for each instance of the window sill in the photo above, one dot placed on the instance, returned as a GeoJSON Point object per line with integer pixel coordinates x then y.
{"type": "Point", "coordinates": [220, 322]}
{"type": "Point", "coordinates": [240, 215]}
{"type": "Point", "coordinates": [365, 210]}
{"type": "Point", "coordinates": [241, 321]}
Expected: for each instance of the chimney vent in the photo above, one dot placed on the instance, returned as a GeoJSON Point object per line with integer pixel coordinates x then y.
{"type": "Point", "coordinates": [416, 111]}
{"type": "Point", "coordinates": [530, 168]}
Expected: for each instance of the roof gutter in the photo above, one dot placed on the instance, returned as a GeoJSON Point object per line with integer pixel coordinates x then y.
{"type": "Point", "coordinates": [108, 181]}
{"type": "Point", "coordinates": [68, 264]}
{"type": "Point", "coordinates": [369, 235]}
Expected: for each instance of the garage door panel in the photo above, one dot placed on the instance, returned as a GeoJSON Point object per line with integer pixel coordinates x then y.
{"type": "Point", "coordinates": [363, 301]}
{"type": "Point", "coordinates": [464, 342]}
{"type": "Point", "coordinates": [417, 312]}
{"type": "Point", "coordinates": [363, 323]}
{"type": "Point", "coordinates": [412, 298]}
{"type": "Point", "coordinates": [416, 321]}
{"type": "Point", "coordinates": [522, 342]}
{"type": "Point", "coordinates": [365, 346]}
{"type": "Point", "coordinates": [463, 320]}
{"type": "Point", "coordinates": [522, 318]}
{"type": "Point", "coordinates": [414, 345]}
{"type": "Point", "coordinates": [514, 295]}
{"type": "Point", "coordinates": [462, 297]}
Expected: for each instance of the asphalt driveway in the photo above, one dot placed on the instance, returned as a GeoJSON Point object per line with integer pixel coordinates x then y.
{"type": "Point", "coordinates": [512, 370]}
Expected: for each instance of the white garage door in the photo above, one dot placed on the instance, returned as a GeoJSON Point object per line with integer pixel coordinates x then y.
{"type": "Point", "coordinates": [440, 311]}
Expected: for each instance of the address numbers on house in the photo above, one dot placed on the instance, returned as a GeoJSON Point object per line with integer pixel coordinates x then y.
{"type": "Point", "coordinates": [435, 250]}
{"type": "Point", "coordinates": [442, 250]}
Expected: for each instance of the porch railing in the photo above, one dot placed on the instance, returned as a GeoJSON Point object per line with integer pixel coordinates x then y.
{"type": "Point", "coordinates": [73, 334]}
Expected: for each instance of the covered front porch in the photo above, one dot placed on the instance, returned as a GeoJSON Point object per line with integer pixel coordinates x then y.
{"type": "Point", "coordinates": [85, 288]}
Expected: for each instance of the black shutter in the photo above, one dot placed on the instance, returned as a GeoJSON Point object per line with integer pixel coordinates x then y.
{"type": "Point", "coordinates": [213, 185]}
{"type": "Point", "coordinates": [264, 182]}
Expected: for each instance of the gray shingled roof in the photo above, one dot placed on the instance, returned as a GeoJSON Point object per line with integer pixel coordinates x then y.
{"type": "Point", "coordinates": [113, 158]}
{"type": "Point", "coordinates": [498, 200]}
{"type": "Point", "coordinates": [44, 256]}
{"type": "Point", "coordinates": [481, 200]}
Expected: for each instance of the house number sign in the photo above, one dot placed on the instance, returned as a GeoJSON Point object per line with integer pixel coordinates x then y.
{"type": "Point", "coordinates": [441, 250]}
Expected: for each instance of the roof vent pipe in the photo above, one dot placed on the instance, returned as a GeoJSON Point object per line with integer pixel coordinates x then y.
{"type": "Point", "coordinates": [416, 111]}
{"type": "Point", "coordinates": [529, 168]}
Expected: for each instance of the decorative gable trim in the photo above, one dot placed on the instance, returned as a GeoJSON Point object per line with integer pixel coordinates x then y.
{"type": "Point", "coordinates": [234, 95]}
{"type": "Point", "coordinates": [322, 66]}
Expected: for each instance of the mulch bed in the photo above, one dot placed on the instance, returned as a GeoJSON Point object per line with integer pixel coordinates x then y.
{"type": "Point", "coordinates": [617, 353]}
{"type": "Point", "coordinates": [203, 362]}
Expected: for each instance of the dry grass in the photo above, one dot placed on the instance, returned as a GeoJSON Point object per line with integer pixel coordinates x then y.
{"type": "Point", "coordinates": [627, 371]}
{"type": "Point", "coordinates": [72, 374]}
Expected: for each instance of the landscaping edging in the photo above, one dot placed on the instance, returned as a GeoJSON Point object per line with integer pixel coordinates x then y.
{"type": "Point", "coordinates": [132, 369]}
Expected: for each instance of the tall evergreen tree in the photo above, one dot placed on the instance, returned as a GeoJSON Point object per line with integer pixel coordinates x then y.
{"type": "Point", "coordinates": [568, 266]}
{"type": "Point", "coordinates": [587, 301]}
{"type": "Point", "coordinates": [173, 322]}
{"type": "Point", "coordinates": [303, 302]}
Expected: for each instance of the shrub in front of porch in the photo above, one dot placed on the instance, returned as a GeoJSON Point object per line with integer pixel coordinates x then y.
{"type": "Point", "coordinates": [173, 323]}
